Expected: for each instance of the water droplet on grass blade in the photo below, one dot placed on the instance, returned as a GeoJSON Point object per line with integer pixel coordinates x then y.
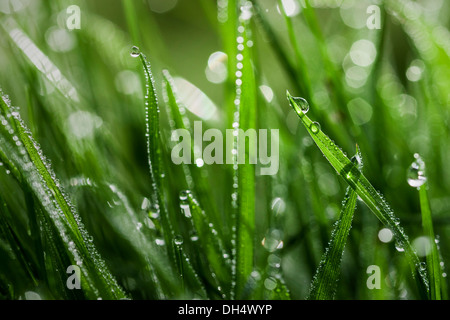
{"type": "Point", "coordinates": [184, 195]}
{"type": "Point", "coordinates": [300, 105]}
{"type": "Point", "coordinates": [135, 52]}
{"type": "Point", "coordinates": [194, 236]}
{"type": "Point", "coordinates": [416, 172]}
{"type": "Point", "coordinates": [315, 127]}
{"type": "Point", "coordinates": [178, 240]}
{"type": "Point", "coordinates": [399, 246]}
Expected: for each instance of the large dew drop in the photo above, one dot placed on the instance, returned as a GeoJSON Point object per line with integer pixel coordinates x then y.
{"type": "Point", "coordinates": [178, 240]}
{"type": "Point", "coordinates": [315, 127]}
{"type": "Point", "coordinates": [416, 172]}
{"type": "Point", "coordinates": [135, 52]}
{"type": "Point", "coordinates": [300, 105]}
{"type": "Point", "coordinates": [184, 195]}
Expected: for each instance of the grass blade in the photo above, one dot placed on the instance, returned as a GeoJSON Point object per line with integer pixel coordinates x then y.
{"type": "Point", "coordinates": [243, 197]}
{"type": "Point", "coordinates": [154, 148]}
{"type": "Point", "coordinates": [57, 209]}
{"type": "Point", "coordinates": [324, 284]}
{"type": "Point", "coordinates": [432, 258]}
{"type": "Point", "coordinates": [195, 181]}
{"type": "Point", "coordinates": [358, 182]}
{"type": "Point", "coordinates": [212, 245]}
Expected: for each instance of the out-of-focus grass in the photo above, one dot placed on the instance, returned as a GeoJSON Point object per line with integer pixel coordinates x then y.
{"type": "Point", "coordinates": [82, 97]}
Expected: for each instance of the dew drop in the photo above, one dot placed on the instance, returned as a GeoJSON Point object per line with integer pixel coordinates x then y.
{"type": "Point", "coordinates": [184, 195]}
{"type": "Point", "coordinates": [300, 105]}
{"type": "Point", "coordinates": [416, 172]}
{"type": "Point", "coordinates": [399, 246]}
{"type": "Point", "coordinates": [178, 240]}
{"type": "Point", "coordinates": [194, 237]}
{"type": "Point", "coordinates": [422, 266]}
{"type": "Point", "coordinates": [135, 52]}
{"type": "Point", "coordinates": [154, 211]}
{"type": "Point", "coordinates": [315, 127]}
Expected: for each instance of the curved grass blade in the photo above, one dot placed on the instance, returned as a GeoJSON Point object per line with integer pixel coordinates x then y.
{"type": "Point", "coordinates": [36, 173]}
{"type": "Point", "coordinates": [324, 284]}
{"type": "Point", "coordinates": [154, 147]}
{"type": "Point", "coordinates": [358, 182]}
{"type": "Point", "coordinates": [156, 169]}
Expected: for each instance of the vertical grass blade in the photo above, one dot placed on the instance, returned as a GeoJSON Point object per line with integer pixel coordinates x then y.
{"type": "Point", "coordinates": [358, 182]}
{"type": "Point", "coordinates": [154, 146]}
{"type": "Point", "coordinates": [433, 267]}
{"type": "Point", "coordinates": [195, 181]}
{"type": "Point", "coordinates": [218, 259]}
{"type": "Point", "coordinates": [324, 284]}
{"type": "Point", "coordinates": [432, 258]}
{"type": "Point", "coordinates": [243, 196]}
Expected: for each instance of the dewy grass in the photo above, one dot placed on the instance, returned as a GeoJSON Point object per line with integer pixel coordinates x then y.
{"type": "Point", "coordinates": [325, 281]}
{"type": "Point", "coordinates": [243, 196]}
{"type": "Point", "coordinates": [417, 178]}
{"type": "Point", "coordinates": [65, 233]}
{"type": "Point", "coordinates": [358, 182]}
{"type": "Point", "coordinates": [140, 226]}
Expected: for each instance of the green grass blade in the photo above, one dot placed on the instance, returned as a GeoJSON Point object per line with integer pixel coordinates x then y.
{"type": "Point", "coordinates": [243, 197]}
{"type": "Point", "coordinates": [358, 182]}
{"type": "Point", "coordinates": [218, 259]}
{"type": "Point", "coordinates": [432, 258]}
{"type": "Point", "coordinates": [324, 284]}
{"type": "Point", "coordinates": [433, 267]}
{"type": "Point", "coordinates": [152, 127]}
{"type": "Point", "coordinates": [57, 209]}
{"type": "Point", "coordinates": [154, 148]}
{"type": "Point", "coordinates": [193, 176]}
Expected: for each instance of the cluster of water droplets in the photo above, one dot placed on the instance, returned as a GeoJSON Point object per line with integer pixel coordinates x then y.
{"type": "Point", "coordinates": [301, 107]}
